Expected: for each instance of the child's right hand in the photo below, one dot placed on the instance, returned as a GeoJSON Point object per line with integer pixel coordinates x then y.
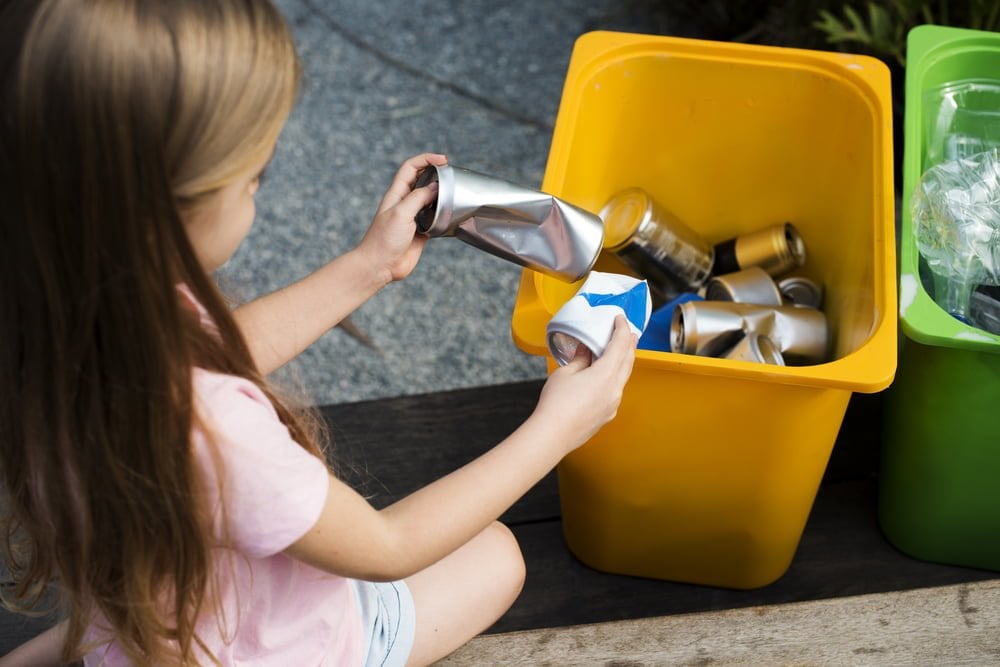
{"type": "Point", "coordinates": [582, 396]}
{"type": "Point", "coordinates": [391, 243]}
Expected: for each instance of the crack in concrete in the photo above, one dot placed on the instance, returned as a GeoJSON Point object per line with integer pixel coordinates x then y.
{"type": "Point", "coordinates": [413, 70]}
{"type": "Point", "coordinates": [964, 608]}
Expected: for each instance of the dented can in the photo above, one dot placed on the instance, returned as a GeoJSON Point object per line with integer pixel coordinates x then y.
{"type": "Point", "coordinates": [588, 318]}
{"type": "Point", "coordinates": [524, 226]}
{"type": "Point", "coordinates": [655, 244]}
{"type": "Point", "coordinates": [710, 328]}
{"type": "Point", "coordinates": [756, 347]}
{"type": "Point", "coordinates": [751, 285]}
{"type": "Point", "coordinates": [777, 249]}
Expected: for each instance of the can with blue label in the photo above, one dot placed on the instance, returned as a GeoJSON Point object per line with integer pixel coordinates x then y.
{"type": "Point", "coordinates": [589, 317]}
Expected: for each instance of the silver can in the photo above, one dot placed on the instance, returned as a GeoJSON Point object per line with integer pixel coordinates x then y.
{"type": "Point", "coordinates": [524, 226]}
{"type": "Point", "coordinates": [655, 244]}
{"type": "Point", "coordinates": [751, 285]}
{"type": "Point", "coordinates": [758, 348]}
{"type": "Point", "coordinates": [797, 291]}
{"type": "Point", "coordinates": [710, 328]}
{"type": "Point", "coordinates": [707, 332]}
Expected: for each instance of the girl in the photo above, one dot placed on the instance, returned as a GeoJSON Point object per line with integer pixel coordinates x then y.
{"type": "Point", "coordinates": [186, 513]}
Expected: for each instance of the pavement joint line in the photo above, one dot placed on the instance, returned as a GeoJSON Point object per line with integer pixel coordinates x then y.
{"type": "Point", "coordinates": [401, 65]}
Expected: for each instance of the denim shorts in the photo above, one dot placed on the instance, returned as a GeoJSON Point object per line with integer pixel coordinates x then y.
{"type": "Point", "coordinates": [388, 620]}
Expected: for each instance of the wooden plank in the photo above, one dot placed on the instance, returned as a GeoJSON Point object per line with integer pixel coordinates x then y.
{"type": "Point", "coordinates": [949, 625]}
{"type": "Point", "coordinates": [391, 447]}
{"type": "Point", "coordinates": [842, 552]}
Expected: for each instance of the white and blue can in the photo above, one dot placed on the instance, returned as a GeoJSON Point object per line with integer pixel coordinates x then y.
{"type": "Point", "coordinates": [589, 317]}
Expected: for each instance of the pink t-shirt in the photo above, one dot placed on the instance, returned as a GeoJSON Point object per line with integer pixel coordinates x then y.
{"type": "Point", "coordinates": [277, 610]}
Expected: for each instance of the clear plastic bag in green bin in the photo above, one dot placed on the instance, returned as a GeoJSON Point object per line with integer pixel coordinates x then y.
{"type": "Point", "coordinates": [955, 210]}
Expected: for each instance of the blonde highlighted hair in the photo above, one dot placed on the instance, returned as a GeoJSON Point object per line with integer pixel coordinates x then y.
{"type": "Point", "coordinates": [117, 119]}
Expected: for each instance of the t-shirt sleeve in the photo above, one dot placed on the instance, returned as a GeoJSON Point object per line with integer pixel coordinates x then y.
{"type": "Point", "coordinates": [272, 490]}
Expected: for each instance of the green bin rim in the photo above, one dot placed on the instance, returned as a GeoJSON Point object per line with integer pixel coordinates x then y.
{"type": "Point", "coordinates": [921, 319]}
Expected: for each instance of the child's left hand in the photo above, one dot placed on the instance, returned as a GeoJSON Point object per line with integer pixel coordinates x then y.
{"type": "Point", "coordinates": [392, 242]}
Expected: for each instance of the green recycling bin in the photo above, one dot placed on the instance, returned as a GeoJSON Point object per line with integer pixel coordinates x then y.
{"type": "Point", "coordinates": [939, 485]}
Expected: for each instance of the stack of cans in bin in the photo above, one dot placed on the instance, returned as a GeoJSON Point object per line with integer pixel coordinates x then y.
{"type": "Point", "coordinates": [734, 299]}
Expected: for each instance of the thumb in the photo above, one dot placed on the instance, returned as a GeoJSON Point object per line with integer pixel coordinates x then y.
{"type": "Point", "coordinates": [582, 358]}
{"type": "Point", "coordinates": [417, 199]}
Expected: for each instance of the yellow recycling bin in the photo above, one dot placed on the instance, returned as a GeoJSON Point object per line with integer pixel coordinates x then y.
{"type": "Point", "coordinates": [710, 469]}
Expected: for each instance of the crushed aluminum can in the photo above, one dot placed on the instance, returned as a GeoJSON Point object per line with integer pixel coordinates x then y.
{"type": "Point", "coordinates": [656, 337]}
{"type": "Point", "coordinates": [777, 249]}
{"type": "Point", "coordinates": [655, 244]}
{"type": "Point", "coordinates": [755, 347]}
{"type": "Point", "coordinates": [710, 328]}
{"type": "Point", "coordinates": [802, 292]}
{"type": "Point", "coordinates": [588, 318]}
{"type": "Point", "coordinates": [751, 285]}
{"type": "Point", "coordinates": [524, 226]}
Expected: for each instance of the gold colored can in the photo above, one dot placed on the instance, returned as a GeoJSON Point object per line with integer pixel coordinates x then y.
{"type": "Point", "coordinates": [655, 244]}
{"type": "Point", "coordinates": [777, 249]}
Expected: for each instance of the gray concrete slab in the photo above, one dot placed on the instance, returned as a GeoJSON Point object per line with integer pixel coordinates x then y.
{"type": "Point", "coordinates": [948, 625]}
{"type": "Point", "coordinates": [477, 80]}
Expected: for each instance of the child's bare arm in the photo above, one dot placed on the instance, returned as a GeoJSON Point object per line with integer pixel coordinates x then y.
{"type": "Point", "coordinates": [353, 539]}
{"type": "Point", "coordinates": [42, 650]}
{"type": "Point", "coordinates": [279, 326]}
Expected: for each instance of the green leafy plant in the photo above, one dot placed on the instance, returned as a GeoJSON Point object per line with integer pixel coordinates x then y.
{"type": "Point", "coordinates": [881, 27]}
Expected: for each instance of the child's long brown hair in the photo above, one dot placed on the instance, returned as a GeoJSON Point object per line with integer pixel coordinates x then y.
{"type": "Point", "coordinates": [118, 117]}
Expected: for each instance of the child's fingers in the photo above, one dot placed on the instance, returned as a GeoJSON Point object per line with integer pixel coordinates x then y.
{"type": "Point", "coordinates": [414, 200]}
{"type": "Point", "coordinates": [418, 162]}
{"type": "Point", "coordinates": [407, 174]}
{"type": "Point", "coordinates": [406, 177]}
{"type": "Point", "coordinates": [619, 355]}
{"type": "Point", "coordinates": [582, 358]}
